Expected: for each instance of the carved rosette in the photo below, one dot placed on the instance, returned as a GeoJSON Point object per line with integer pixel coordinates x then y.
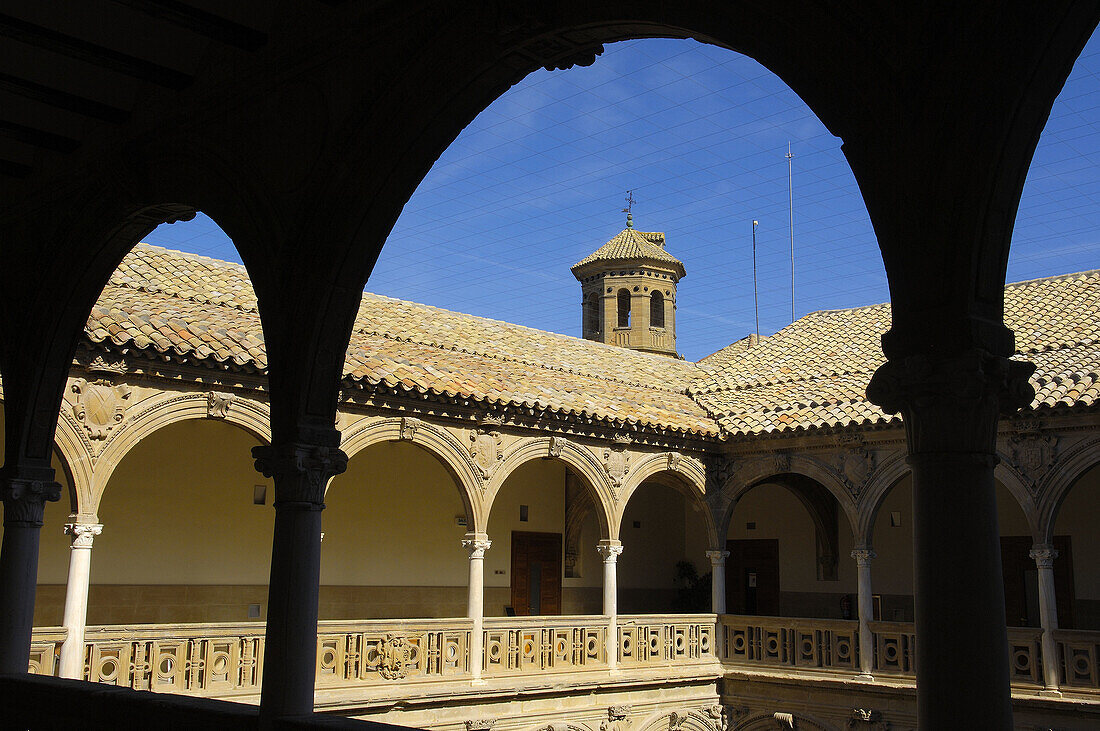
{"type": "Point", "coordinates": [217, 404]}
{"type": "Point", "coordinates": [485, 449]}
{"type": "Point", "coordinates": [300, 470]}
{"type": "Point", "coordinates": [952, 404]}
{"type": "Point", "coordinates": [99, 406]}
{"type": "Point", "coordinates": [83, 533]}
{"type": "Point", "coordinates": [25, 496]}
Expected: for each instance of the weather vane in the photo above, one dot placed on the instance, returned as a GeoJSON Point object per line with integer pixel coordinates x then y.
{"type": "Point", "coordinates": [629, 204]}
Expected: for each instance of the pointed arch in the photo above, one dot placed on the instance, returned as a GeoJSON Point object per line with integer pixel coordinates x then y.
{"type": "Point", "coordinates": [581, 460]}
{"type": "Point", "coordinates": [158, 412]}
{"type": "Point", "coordinates": [438, 442]}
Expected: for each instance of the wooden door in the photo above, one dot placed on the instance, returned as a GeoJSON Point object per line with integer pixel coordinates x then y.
{"type": "Point", "coordinates": [752, 577]}
{"type": "Point", "coordinates": [1021, 579]}
{"type": "Point", "coordinates": [536, 573]}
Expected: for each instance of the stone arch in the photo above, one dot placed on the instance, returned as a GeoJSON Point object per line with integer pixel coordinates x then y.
{"type": "Point", "coordinates": [773, 467]}
{"type": "Point", "coordinates": [1060, 479]}
{"type": "Point", "coordinates": [895, 467]}
{"type": "Point", "coordinates": [250, 416]}
{"type": "Point", "coordinates": [708, 719]}
{"type": "Point", "coordinates": [439, 443]}
{"type": "Point", "coordinates": [684, 474]}
{"type": "Point", "coordinates": [75, 452]}
{"type": "Point", "coordinates": [581, 460]}
{"type": "Point", "coordinates": [770, 722]}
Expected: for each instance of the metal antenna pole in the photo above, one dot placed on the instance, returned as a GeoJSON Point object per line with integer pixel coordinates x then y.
{"type": "Point", "coordinates": [790, 194]}
{"type": "Point", "coordinates": [755, 297]}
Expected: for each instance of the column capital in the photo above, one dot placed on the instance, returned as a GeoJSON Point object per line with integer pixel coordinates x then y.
{"type": "Point", "coordinates": [477, 544]}
{"type": "Point", "coordinates": [25, 492]}
{"type": "Point", "coordinates": [717, 558]}
{"type": "Point", "coordinates": [864, 556]}
{"type": "Point", "coordinates": [83, 533]}
{"type": "Point", "coordinates": [609, 550]}
{"type": "Point", "coordinates": [951, 403]}
{"type": "Point", "coordinates": [1043, 554]}
{"type": "Point", "coordinates": [301, 471]}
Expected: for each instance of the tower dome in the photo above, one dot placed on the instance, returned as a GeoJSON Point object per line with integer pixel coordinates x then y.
{"type": "Point", "coordinates": [628, 290]}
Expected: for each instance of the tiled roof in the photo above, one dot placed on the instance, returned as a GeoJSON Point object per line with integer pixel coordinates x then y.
{"type": "Point", "coordinates": [631, 246]}
{"type": "Point", "coordinates": [191, 306]}
{"type": "Point", "coordinates": [811, 374]}
{"type": "Point", "coordinates": [814, 372]}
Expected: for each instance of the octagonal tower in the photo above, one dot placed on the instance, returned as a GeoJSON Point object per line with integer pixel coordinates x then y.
{"type": "Point", "coordinates": [628, 290]}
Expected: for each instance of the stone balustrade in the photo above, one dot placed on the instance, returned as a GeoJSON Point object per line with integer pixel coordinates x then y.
{"type": "Point", "coordinates": [1079, 651]}
{"type": "Point", "coordinates": [665, 639]}
{"type": "Point", "coordinates": [791, 642]}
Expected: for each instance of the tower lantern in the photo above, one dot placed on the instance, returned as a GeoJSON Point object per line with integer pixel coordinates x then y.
{"type": "Point", "coordinates": [628, 290]}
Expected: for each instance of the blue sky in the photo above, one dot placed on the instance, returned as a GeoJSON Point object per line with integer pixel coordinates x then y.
{"type": "Point", "coordinates": [700, 134]}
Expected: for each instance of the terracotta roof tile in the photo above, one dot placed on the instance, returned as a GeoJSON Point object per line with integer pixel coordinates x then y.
{"type": "Point", "coordinates": [631, 246]}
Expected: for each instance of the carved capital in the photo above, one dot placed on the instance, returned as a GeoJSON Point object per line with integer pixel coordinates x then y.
{"type": "Point", "coordinates": [864, 556]}
{"type": "Point", "coordinates": [300, 470]}
{"type": "Point", "coordinates": [951, 404]}
{"type": "Point", "coordinates": [25, 495]}
{"type": "Point", "coordinates": [477, 544]}
{"type": "Point", "coordinates": [609, 550]}
{"type": "Point", "coordinates": [83, 533]}
{"type": "Point", "coordinates": [1043, 555]}
{"type": "Point", "coordinates": [718, 558]}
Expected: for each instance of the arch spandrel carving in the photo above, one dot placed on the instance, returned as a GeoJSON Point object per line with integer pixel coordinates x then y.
{"type": "Point", "coordinates": [437, 441]}
{"type": "Point", "coordinates": [164, 409]}
{"type": "Point", "coordinates": [578, 457]}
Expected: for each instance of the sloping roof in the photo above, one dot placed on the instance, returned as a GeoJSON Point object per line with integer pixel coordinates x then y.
{"type": "Point", "coordinates": [631, 246]}
{"type": "Point", "coordinates": [720, 358]}
{"type": "Point", "coordinates": [811, 374]}
{"type": "Point", "coordinates": [814, 372]}
{"type": "Point", "coordinates": [191, 306]}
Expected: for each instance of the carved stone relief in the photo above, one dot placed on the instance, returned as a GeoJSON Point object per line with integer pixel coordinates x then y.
{"type": "Point", "coordinates": [616, 719]}
{"type": "Point", "coordinates": [616, 461]}
{"type": "Point", "coordinates": [485, 448]}
{"type": "Point", "coordinates": [394, 653]}
{"type": "Point", "coordinates": [99, 405]}
{"type": "Point", "coordinates": [1032, 452]}
{"type": "Point", "coordinates": [854, 464]}
{"type": "Point", "coordinates": [865, 718]}
{"type": "Point", "coordinates": [217, 404]}
{"type": "Point", "coordinates": [409, 425]}
{"type": "Point", "coordinates": [557, 444]}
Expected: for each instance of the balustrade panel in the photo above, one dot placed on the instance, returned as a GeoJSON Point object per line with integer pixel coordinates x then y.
{"type": "Point", "coordinates": [1026, 655]}
{"type": "Point", "coordinates": [790, 642]}
{"type": "Point", "coordinates": [665, 639]}
{"type": "Point", "coordinates": [1079, 651]}
{"type": "Point", "coordinates": [516, 645]}
{"type": "Point", "coordinates": [45, 650]}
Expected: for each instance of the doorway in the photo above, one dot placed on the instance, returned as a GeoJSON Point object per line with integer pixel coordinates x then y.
{"type": "Point", "coordinates": [536, 573]}
{"type": "Point", "coordinates": [1021, 580]}
{"type": "Point", "coordinates": [752, 576]}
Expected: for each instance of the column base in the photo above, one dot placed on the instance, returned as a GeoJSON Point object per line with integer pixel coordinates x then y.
{"type": "Point", "coordinates": [479, 682]}
{"type": "Point", "coordinates": [865, 677]}
{"type": "Point", "coordinates": [1050, 693]}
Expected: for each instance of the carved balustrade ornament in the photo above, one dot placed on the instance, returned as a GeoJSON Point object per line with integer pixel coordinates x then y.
{"type": "Point", "coordinates": [301, 471]}
{"type": "Point", "coordinates": [393, 653]}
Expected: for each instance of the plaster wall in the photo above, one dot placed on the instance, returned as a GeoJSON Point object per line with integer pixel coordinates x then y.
{"type": "Point", "coordinates": [1078, 518]}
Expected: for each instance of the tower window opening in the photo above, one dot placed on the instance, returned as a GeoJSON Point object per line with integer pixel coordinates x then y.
{"type": "Point", "coordinates": [624, 308]}
{"type": "Point", "coordinates": [592, 314]}
{"type": "Point", "coordinates": [656, 309]}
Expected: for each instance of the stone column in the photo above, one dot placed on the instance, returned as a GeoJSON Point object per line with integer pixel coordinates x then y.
{"type": "Point", "coordinates": [866, 607]}
{"type": "Point", "coordinates": [477, 544]}
{"type": "Point", "coordinates": [24, 491]}
{"type": "Point", "coordinates": [300, 471]}
{"type": "Point", "coordinates": [609, 551]}
{"type": "Point", "coordinates": [950, 404]}
{"type": "Point", "coordinates": [76, 598]}
{"type": "Point", "coordinates": [718, 580]}
{"type": "Point", "coordinates": [1044, 555]}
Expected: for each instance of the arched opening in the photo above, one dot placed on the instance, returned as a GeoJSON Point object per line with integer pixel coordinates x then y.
{"type": "Point", "coordinates": [656, 309]}
{"type": "Point", "coordinates": [187, 526]}
{"type": "Point", "coordinates": [665, 535]}
{"type": "Point", "coordinates": [393, 528]}
{"type": "Point", "coordinates": [623, 300]}
{"type": "Point", "coordinates": [544, 527]}
{"type": "Point", "coordinates": [1076, 582]}
{"type": "Point", "coordinates": [892, 568]}
{"type": "Point", "coordinates": [786, 538]}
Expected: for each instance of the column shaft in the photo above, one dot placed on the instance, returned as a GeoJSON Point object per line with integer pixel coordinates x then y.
{"type": "Point", "coordinates": [718, 580]}
{"type": "Point", "coordinates": [1044, 556]}
{"type": "Point", "coordinates": [24, 499]}
{"type": "Point", "coordinates": [610, 550]}
{"type": "Point", "coordinates": [866, 607]}
{"type": "Point", "coordinates": [301, 472]}
{"type": "Point", "coordinates": [477, 544]}
{"type": "Point", "coordinates": [76, 598]}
